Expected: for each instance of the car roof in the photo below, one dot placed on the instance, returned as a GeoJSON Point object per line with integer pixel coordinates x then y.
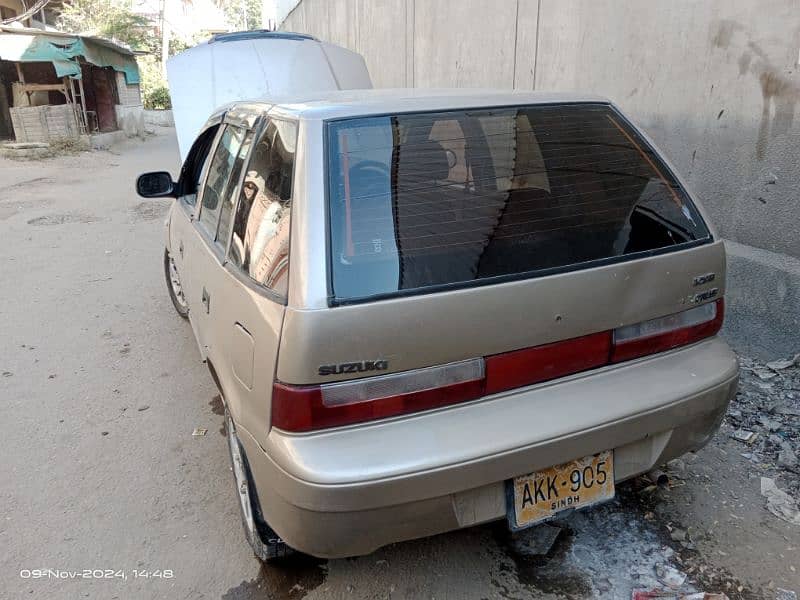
{"type": "Point", "coordinates": [326, 105]}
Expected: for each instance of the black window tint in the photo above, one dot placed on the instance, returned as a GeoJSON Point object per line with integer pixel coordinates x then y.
{"type": "Point", "coordinates": [218, 174]}
{"type": "Point", "coordinates": [421, 200]}
{"type": "Point", "coordinates": [260, 240]}
{"type": "Point", "coordinates": [229, 197]}
{"type": "Point", "coordinates": [192, 168]}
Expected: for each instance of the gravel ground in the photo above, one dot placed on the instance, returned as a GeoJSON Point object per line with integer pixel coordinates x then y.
{"type": "Point", "coordinates": [101, 387]}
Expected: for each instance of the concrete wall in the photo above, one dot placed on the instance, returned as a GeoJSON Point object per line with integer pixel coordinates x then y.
{"type": "Point", "coordinates": [716, 84]}
{"type": "Point", "coordinates": [161, 118]}
{"type": "Point", "coordinates": [130, 119]}
{"type": "Point", "coordinates": [129, 111]}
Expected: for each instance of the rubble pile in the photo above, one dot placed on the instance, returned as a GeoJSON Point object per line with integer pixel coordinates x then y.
{"type": "Point", "coordinates": [765, 417]}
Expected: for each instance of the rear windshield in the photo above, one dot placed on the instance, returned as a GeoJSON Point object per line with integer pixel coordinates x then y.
{"type": "Point", "coordinates": [426, 200]}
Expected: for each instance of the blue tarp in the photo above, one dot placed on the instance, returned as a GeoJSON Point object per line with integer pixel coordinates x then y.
{"type": "Point", "coordinates": [63, 52]}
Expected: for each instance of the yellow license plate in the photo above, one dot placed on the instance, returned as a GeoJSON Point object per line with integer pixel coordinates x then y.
{"type": "Point", "coordinates": [576, 484]}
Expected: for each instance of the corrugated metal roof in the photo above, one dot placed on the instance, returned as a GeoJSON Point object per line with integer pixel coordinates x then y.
{"type": "Point", "coordinates": [115, 46]}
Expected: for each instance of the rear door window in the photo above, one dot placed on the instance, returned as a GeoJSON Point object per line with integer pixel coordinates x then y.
{"type": "Point", "coordinates": [219, 173]}
{"type": "Point", "coordinates": [260, 238]}
{"type": "Point", "coordinates": [228, 201]}
{"type": "Point", "coordinates": [431, 200]}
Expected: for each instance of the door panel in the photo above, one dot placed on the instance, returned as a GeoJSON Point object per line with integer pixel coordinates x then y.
{"type": "Point", "coordinates": [248, 294]}
{"type": "Point", "coordinates": [244, 333]}
{"type": "Point", "coordinates": [203, 255]}
{"type": "Point", "coordinates": [181, 243]}
{"type": "Point", "coordinates": [104, 82]}
{"type": "Point", "coordinates": [183, 235]}
{"type": "Point", "coordinates": [201, 262]}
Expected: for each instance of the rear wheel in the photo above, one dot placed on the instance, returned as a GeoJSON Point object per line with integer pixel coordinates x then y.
{"type": "Point", "coordinates": [267, 545]}
{"type": "Point", "coordinates": [174, 286]}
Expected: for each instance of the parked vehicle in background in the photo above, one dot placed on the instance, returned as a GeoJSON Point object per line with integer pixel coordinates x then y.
{"type": "Point", "coordinates": [429, 309]}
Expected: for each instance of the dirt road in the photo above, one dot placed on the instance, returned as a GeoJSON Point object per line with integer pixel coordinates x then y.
{"type": "Point", "coordinates": [101, 388]}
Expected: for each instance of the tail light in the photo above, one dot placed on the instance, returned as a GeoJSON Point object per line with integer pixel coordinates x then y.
{"type": "Point", "coordinates": [308, 408]}
{"type": "Point", "coordinates": [532, 365]}
{"type": "Point", "coordinates": [664, 333]}
{"type": "Point", "coordinates": [305, 408]}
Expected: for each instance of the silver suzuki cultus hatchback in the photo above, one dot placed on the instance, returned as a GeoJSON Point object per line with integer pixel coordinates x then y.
{"type": "Point", "coordinates": [431, 309]}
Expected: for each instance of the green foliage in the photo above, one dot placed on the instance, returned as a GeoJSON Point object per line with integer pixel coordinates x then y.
{"type": "Point", "coordinates": [179, 44]}
{"type": "Point", "coordinates": [242, 14]}
{"type": "Point", "coordinates": [111, 19]}
{"type": "Point", "coordinates": [157, 98]}
{"type": "Point", "coordinates": [155, 93]}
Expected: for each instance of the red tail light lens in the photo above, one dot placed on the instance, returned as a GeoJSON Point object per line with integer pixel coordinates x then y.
{"type": "Point", "coordinates": [665, 333]}
{"type": "Point", "coordinates": [305, 408]}
{"type": "Point", "coordinates": [308, 408]}
{"type": "Point", "coordinates": [532, 365]}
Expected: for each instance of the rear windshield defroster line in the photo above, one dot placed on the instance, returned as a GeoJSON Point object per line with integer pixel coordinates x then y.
{"type": "Point", "coordinates": [421, 202]}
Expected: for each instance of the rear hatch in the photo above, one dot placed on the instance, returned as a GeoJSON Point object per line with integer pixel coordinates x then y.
{"type": "Point", "coordinates": [475, 252]}
{"type": "Point", "coordinates": [246, 65]}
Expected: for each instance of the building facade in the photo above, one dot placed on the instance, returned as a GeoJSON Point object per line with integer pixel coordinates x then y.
{"type": "Point", "coordinates": [57, 85]}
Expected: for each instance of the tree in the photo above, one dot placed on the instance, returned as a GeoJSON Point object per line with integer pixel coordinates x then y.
{"type": "Point", "coordinates": [242, 14]}
{"type": "Point", "coordinates": [110, 19]}
{"type": "Point", "coordinates": [113, 19]}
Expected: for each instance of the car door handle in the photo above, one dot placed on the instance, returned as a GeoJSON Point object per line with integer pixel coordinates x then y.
{"type": "Point", "coordinates": [206, 299]}
{"type": "Point", "coordinates": [180, 248]}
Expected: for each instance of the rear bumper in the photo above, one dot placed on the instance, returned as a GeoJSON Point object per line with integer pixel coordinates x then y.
{"type": "Point", "coordinates": [349, 491]}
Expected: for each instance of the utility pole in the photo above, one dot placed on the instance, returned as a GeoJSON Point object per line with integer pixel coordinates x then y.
{"type": "Point", "coordinates": [164, 38]}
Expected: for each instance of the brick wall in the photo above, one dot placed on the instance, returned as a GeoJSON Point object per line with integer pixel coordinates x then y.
{"type": "Point", "coordinates": [129, 95]}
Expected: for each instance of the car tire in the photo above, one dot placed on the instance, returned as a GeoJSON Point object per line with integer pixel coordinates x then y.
{"type": "Point", "coordinates": [174, 286]}
{"type": "Point", "coordinates": [265, 542]}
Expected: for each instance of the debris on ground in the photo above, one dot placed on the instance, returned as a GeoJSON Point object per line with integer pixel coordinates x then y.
{"type": "Point", "coordinates": [764, 373]}
{"type": "Point", "coordinates": [787, 459]}
{"type": "Point", "coordinates": [779, 503]}
{"type": "Point", "coordinates": [782, 594]}
{"type": "Point", "coordinates": [199, 431]}
{"type": "Point", "coordinates": [671, 595]}
{"type": "Point", "coordinates": [784, 363]}
{"type": "Point", "coordinates": [670, 576]}
{"type": "Point", "coordinates": [678, 535]}
{"type": "Point", "coordinates": [765, 415]}
{"type": "Point", "coordinates": [744, 436]}
{"type": "Point", "coordinates": [536, 540]}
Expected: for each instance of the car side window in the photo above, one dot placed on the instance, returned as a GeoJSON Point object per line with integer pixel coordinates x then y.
{"type": "Point", "coordinates": [232, 189]}
{"type": "Point", "coordinates": [192, 168]}
{"type": "Point", "coordinates": [219, 173]}
{"type": "Point", "coordinates": [260, 240]}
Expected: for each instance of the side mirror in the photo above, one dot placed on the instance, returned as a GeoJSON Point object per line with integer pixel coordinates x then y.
{"type": "Point", "coordinates": [157, 184]}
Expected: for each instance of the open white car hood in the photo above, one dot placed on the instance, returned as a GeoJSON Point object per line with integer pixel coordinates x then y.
{"type": "Point", "coordinates": [254, 64]}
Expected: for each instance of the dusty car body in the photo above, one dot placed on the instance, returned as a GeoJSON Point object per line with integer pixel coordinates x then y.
{"type": "Point", "coordinates": [459, 301]}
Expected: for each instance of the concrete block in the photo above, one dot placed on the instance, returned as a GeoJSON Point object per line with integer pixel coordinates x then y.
{"type": "Point", "coordinates": [130, 120]}
{"type": "Point", "coordinates": [161, 118]}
